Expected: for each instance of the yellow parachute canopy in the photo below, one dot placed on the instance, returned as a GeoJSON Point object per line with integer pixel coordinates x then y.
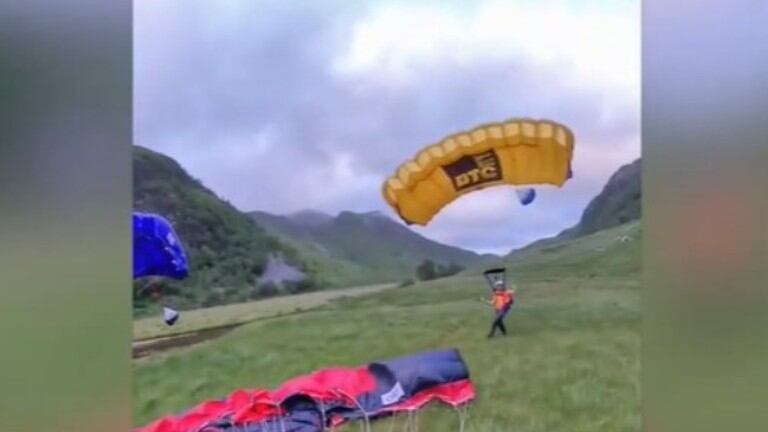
{"type": "Point", "coordinates": [515, 152]}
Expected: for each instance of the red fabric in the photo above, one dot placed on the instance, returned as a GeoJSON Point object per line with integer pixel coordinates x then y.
{"type": "Point", "coordinates": [454, 394]}
{"type": "Point", "coordinates": [324, 385]}
{"type": "Point", "coordinates": [258, 405]}
{"type": "Point", "coordinates": [240, 403]}
{"type": "Point", "coordinates": [329, 384]}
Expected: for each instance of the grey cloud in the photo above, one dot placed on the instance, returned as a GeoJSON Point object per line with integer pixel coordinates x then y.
{"type": "Point", "coordinates": [208, 85]}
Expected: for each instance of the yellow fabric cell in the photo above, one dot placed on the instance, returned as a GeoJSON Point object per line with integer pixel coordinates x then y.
{"type": "Point", "coordinates": [430, 195]}
{"type": "Point", "coordinates": [517, 152]}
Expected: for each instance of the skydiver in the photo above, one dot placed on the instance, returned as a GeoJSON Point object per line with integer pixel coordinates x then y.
{"type": "Point", "coordinates": [502, 301]}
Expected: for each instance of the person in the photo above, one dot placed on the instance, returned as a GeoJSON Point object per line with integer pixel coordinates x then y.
{"type": "Point", "coordinates": [502, 302]}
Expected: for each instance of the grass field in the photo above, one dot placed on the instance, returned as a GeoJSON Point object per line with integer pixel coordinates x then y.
{"type": "Point", "coordinates": [571, 362]}
{"type": "Point", "coordinates": [201, 319]}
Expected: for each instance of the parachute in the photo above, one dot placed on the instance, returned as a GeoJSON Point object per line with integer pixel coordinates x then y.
{"type": "Point", "coordinates": [526, 196]}
{"type": "Point", "coordinates": [330, 397]}
{"type": "Point", "coordinates": [494, 275]}
{"type": "Point", "coordinates": [518, 152]}
{"type": "Point", "coordinates": [157, 250]}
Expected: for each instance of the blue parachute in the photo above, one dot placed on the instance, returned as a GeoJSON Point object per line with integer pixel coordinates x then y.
{"type": "Point", "coordinates": [157, 250]}
{"type": "Point", "coordinates": [526, 195]}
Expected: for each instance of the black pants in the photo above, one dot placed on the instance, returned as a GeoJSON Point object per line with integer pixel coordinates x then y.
{"type": "Point", "coordinates": [498, 322]}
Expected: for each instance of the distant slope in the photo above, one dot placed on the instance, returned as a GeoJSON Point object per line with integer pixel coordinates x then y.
{"type": "Point", "coordinates": [334, 271]}
{"type": "Point", "coordinates": [228, 251]}
{"type": "Point", "coordinates": [614, 251]}
{"type": "Point", "coordinates": [371, 242]}
{"type": "Point", "coordinates": [619, 202]}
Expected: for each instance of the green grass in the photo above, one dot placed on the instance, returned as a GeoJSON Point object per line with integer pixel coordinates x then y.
{"type": "Point", "coordinates": [219, 316]}
{"type": "Point", "coordinates": [571, 362]}
{"type": "Point", "coordinates": [598, 254]}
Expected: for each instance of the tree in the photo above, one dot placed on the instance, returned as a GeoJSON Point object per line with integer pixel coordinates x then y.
{"type": "Point", "coordinates": [269, 289]}
{"type": "Point", "coordinates": [450, 270]}
{"type": "Point", "coordinates": [426, 270]}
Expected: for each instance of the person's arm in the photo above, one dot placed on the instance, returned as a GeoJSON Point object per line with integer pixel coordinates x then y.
{"type": "Point", "coordinates": [512, 296]}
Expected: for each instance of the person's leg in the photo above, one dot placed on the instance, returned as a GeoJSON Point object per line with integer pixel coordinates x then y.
{"type": "Point", "coordinates": [493, 329]}
{"type": "Point", "coordinates": [503, 315]}
{"type": "Point", "coordinates": [497, 324]}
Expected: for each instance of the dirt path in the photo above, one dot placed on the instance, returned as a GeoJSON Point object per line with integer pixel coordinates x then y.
{"type": "Point", "coordinates": [147, 347]}
{"type": "Point", "coordinates": [152, 335]}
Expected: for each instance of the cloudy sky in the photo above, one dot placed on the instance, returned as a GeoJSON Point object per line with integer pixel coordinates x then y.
{"type": "Point", "coordinates": [283, 106]}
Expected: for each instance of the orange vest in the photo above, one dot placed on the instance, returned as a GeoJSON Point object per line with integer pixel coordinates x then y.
{"type": "Point", "coordinates": [501, 299]}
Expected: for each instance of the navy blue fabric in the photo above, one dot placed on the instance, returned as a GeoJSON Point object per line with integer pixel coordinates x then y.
{"type": "Point", "coordinates": [157, 250]}
{"type": "Point", "coordinates": [304, 415]}
{"type": "Point", "coordinates": [422, 371]}
{"type": "Point", "coordinates": [413, 374]}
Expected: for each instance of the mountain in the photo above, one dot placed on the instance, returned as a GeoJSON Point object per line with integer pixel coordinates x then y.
{"type": "Point", "coordinates": [373, 243]}
{"type": "Point", "coordinates": [310, 218]}
{"type": "Point", "coordinates": [619, 202]}
{"type": "Point", "coordinates": [228, 251]}
{"type": "Point", "coordinates": [611, 252]}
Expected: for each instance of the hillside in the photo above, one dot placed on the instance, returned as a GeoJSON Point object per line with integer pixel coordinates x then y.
{"type": "Point", "coordinates": [619, 202]}
{"type": "Point", "coordinates": [573, 351]}
{"type": "Point", "coordinates": [228, 251]}
{"type": "Point", "coordinates": [381, 248]}
{"type": "Point", "coordinates": [615, 251]}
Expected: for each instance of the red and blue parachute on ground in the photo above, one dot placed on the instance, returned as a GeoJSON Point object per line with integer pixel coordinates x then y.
{"type": "Point", "coordinates": [330, 397]}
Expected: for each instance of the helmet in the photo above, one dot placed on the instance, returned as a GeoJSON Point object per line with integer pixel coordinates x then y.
{"type": "Point", "coordinates": [498, 284]}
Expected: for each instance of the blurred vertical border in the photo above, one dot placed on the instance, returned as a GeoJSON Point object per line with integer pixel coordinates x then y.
{"type": "Point", "coordinates": [705, 205]}
{"type": "Point", "coordinates": [65, 186]}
